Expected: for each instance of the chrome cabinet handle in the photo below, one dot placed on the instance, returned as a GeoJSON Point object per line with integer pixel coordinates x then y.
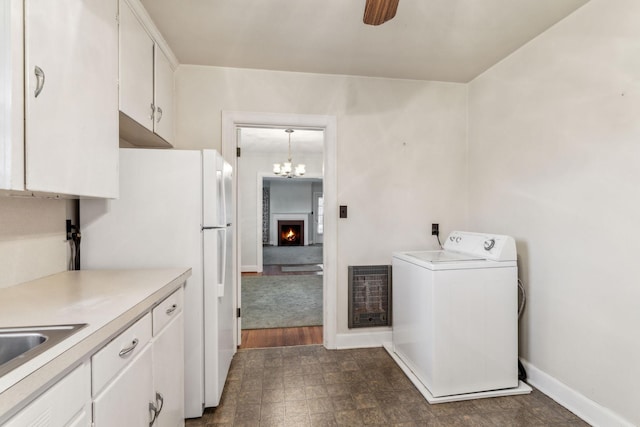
{"type": "Point", "coordinates": [156, 408]}
{"type": "Point", "coordinates": [39, 80]}
{"type": "Point", "coordinates": [160, 397]}
{"type": "Point", "coordinates": [153, 413]}
{"type": "Point", "coordinates": [159, 115]}
{"type": "Point", "coordinates": [171, 309]}
{"type": "Point", "coordinates": [153, 111]}
{"type": "Point", "coordinates": [129, 349]}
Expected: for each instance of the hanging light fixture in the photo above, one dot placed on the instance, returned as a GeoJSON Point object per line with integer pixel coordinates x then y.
{"type": "Point", "coordinates": [286, 169]}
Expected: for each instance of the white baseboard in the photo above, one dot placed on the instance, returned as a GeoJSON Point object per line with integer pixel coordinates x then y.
{"type": "Point", "coordinates": [250, 269]}
{"type": "Point", "coordinates": [362, 339]}
{"type": "Point", "coordinates": [585, 408]}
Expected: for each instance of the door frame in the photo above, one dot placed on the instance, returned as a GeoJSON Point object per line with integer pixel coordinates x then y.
{"type": "Point", "coordinates": [231, 120]}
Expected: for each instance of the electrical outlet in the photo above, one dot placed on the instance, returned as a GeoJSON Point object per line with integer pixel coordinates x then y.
{"type": "Point", "coordinates": [343, 211]}
{"type": "Point", "coordinates": [435, 229]}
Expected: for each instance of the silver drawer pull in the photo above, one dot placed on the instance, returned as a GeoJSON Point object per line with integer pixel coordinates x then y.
{"type": "Point", "coordinates": [158, 114]}
{"type": "Point", "coordinates": [171, 309]}
{"type": "Point", "coordinates": [129, 349]}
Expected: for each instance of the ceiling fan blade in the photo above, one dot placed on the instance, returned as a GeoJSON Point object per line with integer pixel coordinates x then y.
{"type": "Point", "coordinates": [378, 12]}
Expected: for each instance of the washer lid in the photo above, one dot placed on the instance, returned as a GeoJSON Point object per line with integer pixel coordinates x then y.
{"type": "Point", "coordinates": [443, 256]}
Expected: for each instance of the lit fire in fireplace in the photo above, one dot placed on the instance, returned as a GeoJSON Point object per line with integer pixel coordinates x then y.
{"type": "Point", "coordinates": [290, 235]}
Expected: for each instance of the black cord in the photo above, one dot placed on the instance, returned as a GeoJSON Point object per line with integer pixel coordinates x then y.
{"type": "Point", "coordinates": [522, 373]}
{"type": "Point", "coordinates": [76, 237]}
{"type": "Point", "coordinates": [74, 242]}
{"type": "Point", "coordinates": [72, 249]}
{"type": "Point", "coordinates": [438, 237]}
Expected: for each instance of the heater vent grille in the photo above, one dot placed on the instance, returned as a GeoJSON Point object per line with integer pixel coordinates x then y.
{"type": "Point", "coordinates": [369, 296]}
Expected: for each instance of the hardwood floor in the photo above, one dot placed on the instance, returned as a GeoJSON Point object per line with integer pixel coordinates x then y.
{"type": "Point", "coordinates": [281, 337]}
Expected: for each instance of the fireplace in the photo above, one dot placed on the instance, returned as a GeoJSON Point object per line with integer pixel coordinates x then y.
{"type": "Point", "coordinates": [290, 233]}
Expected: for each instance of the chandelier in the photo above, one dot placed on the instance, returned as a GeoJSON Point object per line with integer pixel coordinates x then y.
{"type": "Point", "coordinates": [286, 169]}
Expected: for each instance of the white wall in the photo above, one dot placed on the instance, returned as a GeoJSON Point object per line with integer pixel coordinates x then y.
{"type": "Point", "coordinates": [554, 160]}
{"type": "Point", "coordinates": [32, 238]}
{"type": "Point", "coordinates": [290, 196]}
{"type": "Point", "coordinates": [401, 150]}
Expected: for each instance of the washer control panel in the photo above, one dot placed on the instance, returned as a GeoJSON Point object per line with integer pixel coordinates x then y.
{"type": "Point", "coordinates": [495, 247]}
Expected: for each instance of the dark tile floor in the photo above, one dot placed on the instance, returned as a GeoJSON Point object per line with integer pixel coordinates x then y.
{"type": "Point", "coordinates": [313, 386]}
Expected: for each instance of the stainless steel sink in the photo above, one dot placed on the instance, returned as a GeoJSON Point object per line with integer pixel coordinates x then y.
{"type": "Point", "coordinates": [19, 345]}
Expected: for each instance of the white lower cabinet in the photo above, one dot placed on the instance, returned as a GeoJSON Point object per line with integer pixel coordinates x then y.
{"type": "Point", "coordinates": [138, 378]}
{"type": "Point", "coordinates": [66, 403]}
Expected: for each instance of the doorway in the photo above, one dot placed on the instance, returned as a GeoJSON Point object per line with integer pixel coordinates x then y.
{"type": "Point", "coordinates": [231, 121]}
{"type": "Point", "coordinates": [281, 247]}
{"type": "Point", "coordinates": [281, 291]}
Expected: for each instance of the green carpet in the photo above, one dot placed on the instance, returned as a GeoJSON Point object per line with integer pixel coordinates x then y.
{"type": "Point", "coordinates": [281, 301]}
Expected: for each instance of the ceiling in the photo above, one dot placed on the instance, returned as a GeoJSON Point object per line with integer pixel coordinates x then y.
{"type": "Point", "coordinates": [441, 40]}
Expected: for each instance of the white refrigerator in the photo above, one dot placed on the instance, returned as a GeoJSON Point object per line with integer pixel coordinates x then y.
{"type": "Point", "coordinates": [175, 210]}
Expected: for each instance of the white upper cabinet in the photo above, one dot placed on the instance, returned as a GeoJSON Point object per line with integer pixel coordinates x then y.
{"type": "Point", "coordinates": [71, 97]}
{"type": "Point", "coordinates": [136, 69]}
{"type": "Point", "coordinates": [146, 82]}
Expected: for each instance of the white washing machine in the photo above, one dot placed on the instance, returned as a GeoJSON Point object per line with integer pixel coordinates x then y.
{"type": "Point", "coordinates": [455, 318]}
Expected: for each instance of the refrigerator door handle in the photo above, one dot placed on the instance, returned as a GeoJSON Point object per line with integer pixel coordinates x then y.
{"type": "Point", "coordinates": [223, 269]}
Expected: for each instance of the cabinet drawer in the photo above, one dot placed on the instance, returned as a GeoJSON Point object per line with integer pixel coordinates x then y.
{"type": "Point", "coordinates": [59, 404]}
{"type": "Point", "coordinates": [106, 363]}
{"type": "Point", "coordinates": [167, 310]}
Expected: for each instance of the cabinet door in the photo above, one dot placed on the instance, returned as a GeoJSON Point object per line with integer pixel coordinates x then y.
{"type": "Point", "coordinates": [163, 99]}
{"type": "Point", "coordinates": [136, 69]}
{"type": "Point", "coordinates": [168, 372]}
{"type": "Point", "coordinates": [125, 402]}
{"type": "Point", "coordinates": [71, 97]}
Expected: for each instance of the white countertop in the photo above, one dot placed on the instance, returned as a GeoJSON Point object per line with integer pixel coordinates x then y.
{"type": "Point", "coordinates": [106, 300]}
